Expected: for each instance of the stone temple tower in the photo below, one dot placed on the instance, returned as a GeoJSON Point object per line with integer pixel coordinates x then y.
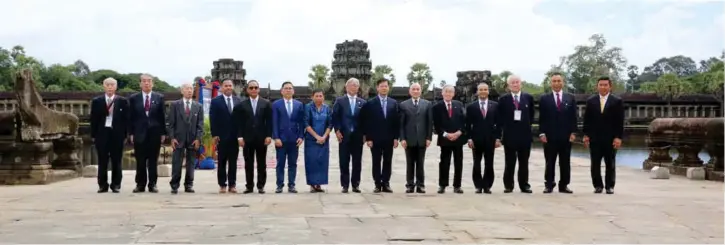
{"type": "Point", "coordinates": [230, 69]}
{"type": "Point", "coordinates": [352, 59]}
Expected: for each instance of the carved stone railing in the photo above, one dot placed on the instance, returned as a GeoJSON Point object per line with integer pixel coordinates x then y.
{"type": "Point", "coordinates": [688, 136]}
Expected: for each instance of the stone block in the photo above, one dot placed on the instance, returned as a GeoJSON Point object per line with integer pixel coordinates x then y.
{"type": "Point", "coordinates": [90, 171]}
{"type": "Point", "coordinates": [696, 173]}
{"type": "Point", "coordinates": [659, 173]}
{"type": "Point", "coordinates": [164, 170]}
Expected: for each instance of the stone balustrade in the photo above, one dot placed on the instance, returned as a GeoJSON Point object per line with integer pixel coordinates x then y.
{"type": "Point", "coordinates": [688, 136]}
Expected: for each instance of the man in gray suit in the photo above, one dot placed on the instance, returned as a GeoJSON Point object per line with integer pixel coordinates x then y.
{"type": "Point", "coordinates": [416, 130]}
{"type": "Point", "coordinates": [186, 127]}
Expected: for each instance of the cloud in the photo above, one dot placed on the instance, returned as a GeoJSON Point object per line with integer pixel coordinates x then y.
{"type": "Point", "coordinates": [280, 40]}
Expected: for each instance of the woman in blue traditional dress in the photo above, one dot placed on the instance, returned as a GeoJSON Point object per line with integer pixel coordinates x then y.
{"type": "Point", "coordinates": [317, 144]}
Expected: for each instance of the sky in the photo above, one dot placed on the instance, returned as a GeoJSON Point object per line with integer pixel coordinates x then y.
{"type": "Point", "coordinates": [280, 40]}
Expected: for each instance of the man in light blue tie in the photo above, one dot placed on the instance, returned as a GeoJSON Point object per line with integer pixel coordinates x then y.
{"type": "Point", "coordinates": [381, 128]}
{"type": "Point", "coordinates": [287, 132]}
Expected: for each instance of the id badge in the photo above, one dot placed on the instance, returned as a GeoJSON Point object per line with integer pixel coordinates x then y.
{"type": "Point", "coordinates": [109, 121]}
{"type": "Point", "coordinates": [517, 115]}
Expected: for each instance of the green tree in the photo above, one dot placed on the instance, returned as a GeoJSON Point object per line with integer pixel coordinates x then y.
{"type": "Point", "coordinates": [383, 71]}
{"type": "Point", "coordinates": [589, 62]}
{"type": "Point", "coordinates": [499, 81]}
{"type": "Point", "coordinates": [420, 73]}
{"type": "Point", "coordinates": [319, 77]}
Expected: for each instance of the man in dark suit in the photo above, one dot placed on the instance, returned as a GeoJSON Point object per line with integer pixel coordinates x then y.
{"type": "Point", "coordinates": [254, 132]}
{"type": "Point", "coordinates": [416, 131]}
{"type": "Point", "coordinates": [287, 131]}
{"type": "Point", "coordinates": [109, 114]}
{"type": "Point", "coordinates": [557, 129]}
{"type": "Point", "coordinates": [147, 127]}
{"type": "Point", "coordinates": [449, 122]}
{"type": "Point", "coordinates": [186, 128]}
{"type": "Point", "coordinates": [484, 136]}
{"type": "Point", "coordinates": [603, 129]}
{"type": "Point", "coordinates": [381, 124]}
{"type": "Point", "coordinates": [516, 111]}
{"type": "Point", "coordinates": [224, 133]}
{"type": "Point", "coordinates": [346, 122]}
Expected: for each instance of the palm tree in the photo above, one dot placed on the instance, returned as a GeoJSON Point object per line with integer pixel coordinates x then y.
{"type": "Point", "coordinates": [319, 77]}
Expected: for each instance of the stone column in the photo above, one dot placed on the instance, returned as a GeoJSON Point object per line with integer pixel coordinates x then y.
{"type": "Point", "coordinates": [25, 163]}
{"type": "Point", "coordinates": [66, 150]}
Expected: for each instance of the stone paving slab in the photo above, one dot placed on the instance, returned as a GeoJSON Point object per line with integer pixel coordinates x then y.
{"type": "Point", "coordinates": [643, 210]}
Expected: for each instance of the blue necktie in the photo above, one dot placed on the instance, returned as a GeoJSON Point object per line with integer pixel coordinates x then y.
{"type": "Point", "coordinates": [289, 108]}
{"type": "Point", "coordinates": [352, 106]}
{"type": "Point", "coordinates": [385, 112]}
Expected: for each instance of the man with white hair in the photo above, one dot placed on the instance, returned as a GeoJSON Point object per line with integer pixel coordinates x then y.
{"type": "Point", "coordinates": [186, 128]}
{"type": "Point", "coordinates": [109, 114]}
{"type": "Point", "coordinates": [516, 112]}
{"type": "Point", "coordinates": [345, 121]}
{"type": "Point", "coordinates": [449, 121]}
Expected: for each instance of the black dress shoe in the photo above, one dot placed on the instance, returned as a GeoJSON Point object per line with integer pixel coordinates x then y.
{"type": "Point", "coordinates": [598, 190]}
{"type": "Point", "coordinates": [344, 190]}
{"type": "Point", "coordinates": [278, 190]}
{"type": "Point", "coordinates": [377, 190]}
{"type": "Point", "coordinates": [526, 191]}
{"type": "Point", "coordinates": [610, 191]}
{"type": "Point", "coordinates": [356, 189]}
{"type": "Point", "coordinates": [174, 191]}
{"type": "Point", "coordinates": [487, 191]}
{"type": "Point", "coordinates": [441, 190]}
{"type": "Point", "coordinates": [479, 190]}
{"type": "Point", "coordinates": [102, 190]}
{"type": "Point", "coordinates": [458, 190]}
{"type": "Point", "coordinates": [138, 189]}
{"type": "Point", "coordinates": [189, 190]}
{"type": "Point", "coordinates": [548, 190]}
{"type": "Point", "coordinates": [248, 190]}
{"type": "Point", "coordinates": [261, 191]}
{"type": "Point", "coordinates": [292, 190]}
{"type": "Point", "coordinates": [508, 190]}
{"type": "Point", "coordinates": [420, 190]}
{"type": "Point", "coordinates": [565, 190]}
{"type": "Point", "coordinates": [153, 189]}
{"type": "Point", "coordinates": [409, 190]}
{"type": "Point", "coordinates": [115, 189]}
{"type": "Point", "coordinates": [387, 189]}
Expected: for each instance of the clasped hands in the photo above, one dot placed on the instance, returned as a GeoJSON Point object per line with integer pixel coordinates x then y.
{"type": "Point", "coordinates": [616, 143]}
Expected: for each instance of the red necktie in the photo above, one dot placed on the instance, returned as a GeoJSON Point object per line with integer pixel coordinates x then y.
{"type": "Point", "coordinates": [483, 110]}
{"type": "Point", "coordinates": [558, 102]}
{"type": "Point", "coordinates": [187, 108]}
{"type": "Point", "coordinates": [147, 105]}
{"type": "Point", "coordinates": [450, 112]}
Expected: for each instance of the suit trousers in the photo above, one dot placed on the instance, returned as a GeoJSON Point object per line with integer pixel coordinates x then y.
{"type": "Point", "coordinates": [415, 166]}
{"type": "Point", "coordinates": [147, 156]}
{"type": "Point", "coordinates": [562, 150]}
{"type": "Point", "coordinates": [350, 149]}
{"type": "Point", "coordinates": [516, 151]}
{"type": "Point", "coordinates": [258, 149]}
{"type": "Point", "coordinates": [382, 155]}
{"type": "Point", "coordinates": [485, 152]}
{"type": "Point", "coordinates": [108, 145]}
{"type": "Point", "coordinates": [597, 151]}
{"type": "Point", "coordinates": [185, 151]}
{"type": "Point", "coordinates": [228, 155]}
{"type": "Point", "coordinates": [445, 165]}
{"type": "Point", "coordinates": [288, 154]}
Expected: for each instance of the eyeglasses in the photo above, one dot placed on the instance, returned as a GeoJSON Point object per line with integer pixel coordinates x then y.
{"type": "Point", "coordinates": [253, 88]}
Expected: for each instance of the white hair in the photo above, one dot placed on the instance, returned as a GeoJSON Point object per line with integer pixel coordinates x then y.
{"type": "Point", "coordinates": [415, 83]}
{"type": "Point", "coordinates": [484, 84]}
{"type": "Point", "coordinates": [353, 81]}
{"type": "Point", "coordinates": [183, 85]}
{"type": "Point", "coordinates": [447, 87]}
{"type": "Point", "coordinates": [146, 75]}
{"type": "Point", "coordinates": [513, 77]}
{"type": "Point", "coordinates": [110, 80]}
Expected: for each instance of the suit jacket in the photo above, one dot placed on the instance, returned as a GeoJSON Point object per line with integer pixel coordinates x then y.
{"type": "Point", "coordinates": [99, 112]}
{"type": "Point", "coordinates": [604, 126]}
{"type": "Point", "coordinates": [344, 120]}
{"type": "Point", "coordinates": [186, 128]}
{"type": "Point", "coordinates": [557, 123]}
{"type": "Point", "coordinates": [442, 123]}
{"type": "Point", "coordinates": [287, 128]}
{"type": "Point", "coordinates": [220, 119]}
{"type": "Point", "coordinates": [377, 126]}
{"type": "Point", "coordinates": [254, 128]}
{"type": "Point", "coordinates": [140, 124]}
{"type": "Point", "coordinates": [483, 130]}
{"type": "Point", "coordinates": [416, 123]}
{"type": "Point", "coordinates": [516, 132]}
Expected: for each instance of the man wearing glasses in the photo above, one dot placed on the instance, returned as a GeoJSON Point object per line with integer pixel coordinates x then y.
{"type": "Point", "coordinates": [254, 132]}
